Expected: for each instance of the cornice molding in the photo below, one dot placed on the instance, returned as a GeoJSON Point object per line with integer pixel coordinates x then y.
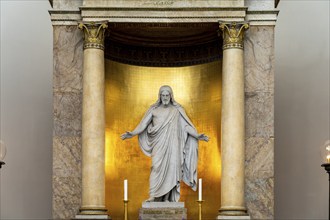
{"type": "Point", "coordinates": [64, 12]}
{"type": "Point", "coordinates": [264, 17]}
{"type": "Point", "coordinates": [263, 12]}
{"type": "Point", "coordinates": [84, 8]}
{"type": "Point", "coordinates": [65, 17]}
{"type": "Point", "coordinates": [164, 15]}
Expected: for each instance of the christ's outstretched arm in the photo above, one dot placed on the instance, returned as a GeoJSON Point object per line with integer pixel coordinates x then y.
{"type": "Point", "coordinates": [192, 132]}
{"type": "Point", "coordinates": [139, 129]}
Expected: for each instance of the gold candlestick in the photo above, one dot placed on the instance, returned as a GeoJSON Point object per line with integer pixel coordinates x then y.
{"type": "Point", "coordinates": [125, 210]}
{"type": "Point", "coordinates": [200, 209]}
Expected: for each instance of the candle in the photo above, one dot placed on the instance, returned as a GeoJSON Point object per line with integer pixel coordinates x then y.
{"type": "Point", "coordinates": [200, 189]}
{"type": "Point", "coordinates": [125, 190]}
{"type": "Point", "coordinates": [328, 158]}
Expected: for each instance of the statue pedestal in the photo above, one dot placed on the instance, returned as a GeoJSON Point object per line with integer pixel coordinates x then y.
{"type": "Point", "coordinates": [163, 210]}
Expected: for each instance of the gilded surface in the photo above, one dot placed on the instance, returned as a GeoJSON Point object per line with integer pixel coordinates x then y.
{"type": "Point", "coordinates": [129, 92]}
{"type": "Point", "coordinates": [233, 34]}
{"type": "Point", "coordinates": [94, 34]}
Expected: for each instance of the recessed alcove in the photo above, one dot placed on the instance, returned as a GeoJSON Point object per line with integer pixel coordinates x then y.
{"type": "Point", "coordinates": [130, 90]}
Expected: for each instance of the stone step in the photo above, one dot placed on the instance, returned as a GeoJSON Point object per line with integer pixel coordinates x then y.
{"type": "Point", "coordinates": [163, 211]}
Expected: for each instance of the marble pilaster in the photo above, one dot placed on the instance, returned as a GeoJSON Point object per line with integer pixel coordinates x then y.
{"type": "Point", "coordinates": [67, 88]}
{"type": "Point", "coordinates": [259, 116]}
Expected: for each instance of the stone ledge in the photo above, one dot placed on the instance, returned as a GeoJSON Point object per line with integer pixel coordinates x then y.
{"type": "Point", "coordinates": [151, 205]}
{"type": "Point", "coordinates": [163, 214]}
{"type": "Point", "coordinates": [90, 217]}
{"type": "Point", "coordinates": [227, 217]}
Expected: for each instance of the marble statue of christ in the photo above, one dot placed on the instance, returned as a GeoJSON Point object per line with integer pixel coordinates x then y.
{"type": "Point", "coordinates": [167, 135]}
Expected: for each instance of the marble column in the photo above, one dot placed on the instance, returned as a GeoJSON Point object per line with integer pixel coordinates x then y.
{"type": "Point", "coordinates": [93, 122]}
{"type": "Point", "coordinates": [232, 122]}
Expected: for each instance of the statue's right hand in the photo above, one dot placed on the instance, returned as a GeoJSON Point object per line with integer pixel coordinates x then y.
{"type": "Point", "coordinates": [126, 135]}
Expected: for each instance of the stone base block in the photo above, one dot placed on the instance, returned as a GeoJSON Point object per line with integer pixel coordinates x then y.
{"type": "Point", "coordinates": [230, 217]}
{"type": "Point", "coordinates": [163, 211]}
{"type": "Point", "coordinates": [90, 217]}
{"type": "Point", "coordinates": [163, 205]}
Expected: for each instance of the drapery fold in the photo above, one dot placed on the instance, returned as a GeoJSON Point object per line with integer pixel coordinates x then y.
{"type": "Point", "coordinates": [173, 151]}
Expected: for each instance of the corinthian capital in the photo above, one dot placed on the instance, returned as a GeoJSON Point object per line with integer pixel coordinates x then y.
{"type": "Point", "coordinates": [94, 34]}
{"type": "Point", "coordinates": [233, 34]}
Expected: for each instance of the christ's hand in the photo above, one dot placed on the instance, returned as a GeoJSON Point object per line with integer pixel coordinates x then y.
{"type": "Point", "coordinates": [126, 135]}
{"type": "Point", "coordinates": [203, 137]}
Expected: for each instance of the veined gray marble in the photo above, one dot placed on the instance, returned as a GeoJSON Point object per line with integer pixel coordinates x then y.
{"type": "Point", "coordinates": [67, 114]}
{"type": "Point", "coordinates": [67, 101]}
{"type": "Point", "coordinates": [259, 59]}
{"type": "Point", "coordinates": [259, 197]}
{"type": "Point", "coordinates": [259, 114]}
{"type": "Point", "coordinates": [67, 156]}
{"type": "Point", "coordinates": [66, 197]}
{"type": "Point", "coordinates": [68, 59]}
{"type": "Point", "coordinates": [259, 121]}
{"type": "Point", "coordinates": [259, 158]}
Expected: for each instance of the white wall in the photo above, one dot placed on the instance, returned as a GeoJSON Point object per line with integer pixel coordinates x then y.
{"type": "Point", "coordinates": [301, 109]}
{"type": "Point", "coordinates": [26, 109]}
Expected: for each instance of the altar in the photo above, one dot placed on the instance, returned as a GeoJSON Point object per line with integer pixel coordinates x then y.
{"type": "Point", "coordinates": [111, 57]}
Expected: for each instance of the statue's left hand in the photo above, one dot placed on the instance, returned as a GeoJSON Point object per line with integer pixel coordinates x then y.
{"type": "Point", "coordinates": [126, 135]}
{"type": "Point", "coordinates": [203, 137]}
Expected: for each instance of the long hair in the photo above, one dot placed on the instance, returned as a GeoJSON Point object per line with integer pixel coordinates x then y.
{"type": "Point", "coordinates": [159, 100]}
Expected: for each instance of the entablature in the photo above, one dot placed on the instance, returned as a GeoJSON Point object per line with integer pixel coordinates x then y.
{"type": "Point", "coordinates": [173, 11]}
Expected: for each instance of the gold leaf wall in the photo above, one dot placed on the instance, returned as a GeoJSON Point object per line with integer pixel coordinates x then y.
{"type": "Point", "coordinates": [130, 90]}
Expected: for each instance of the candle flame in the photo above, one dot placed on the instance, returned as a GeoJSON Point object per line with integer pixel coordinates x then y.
{"type": "Point", "coordinates": [328, 148]}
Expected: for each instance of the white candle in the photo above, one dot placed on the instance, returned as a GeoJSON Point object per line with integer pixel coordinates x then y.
{"type": "Point", "coordinates": [125, 190]}
{"type": "Point", "coordinates": [200, 189]}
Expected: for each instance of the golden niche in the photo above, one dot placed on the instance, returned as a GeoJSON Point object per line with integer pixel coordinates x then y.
{"type": "Point", "coordinates": [129, 92]}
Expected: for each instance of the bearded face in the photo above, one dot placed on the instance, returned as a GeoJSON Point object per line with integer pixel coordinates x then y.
{"type": "Point", "coordinates": [165, 97]}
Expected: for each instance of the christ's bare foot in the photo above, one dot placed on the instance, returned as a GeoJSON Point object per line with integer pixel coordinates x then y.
{"type": "Point", "coordinates": [151, 199]}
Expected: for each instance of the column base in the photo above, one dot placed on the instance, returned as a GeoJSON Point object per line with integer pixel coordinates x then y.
{"type": "Point", "coordinates": [93, 213]}
{"type": "Point", "coordinates": [233, 212]}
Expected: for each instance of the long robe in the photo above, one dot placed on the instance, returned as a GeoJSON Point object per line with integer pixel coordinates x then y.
{"type": "Point", "coordinates": [173, 151]}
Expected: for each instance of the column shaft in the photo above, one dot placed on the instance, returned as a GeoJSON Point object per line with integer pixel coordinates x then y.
{"type": "Point", "coordinates": [93, 128]}
{"type": "Point", "coordinates": [233, 122]}
{"type": "Point", "coordinates": [93, 121]}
